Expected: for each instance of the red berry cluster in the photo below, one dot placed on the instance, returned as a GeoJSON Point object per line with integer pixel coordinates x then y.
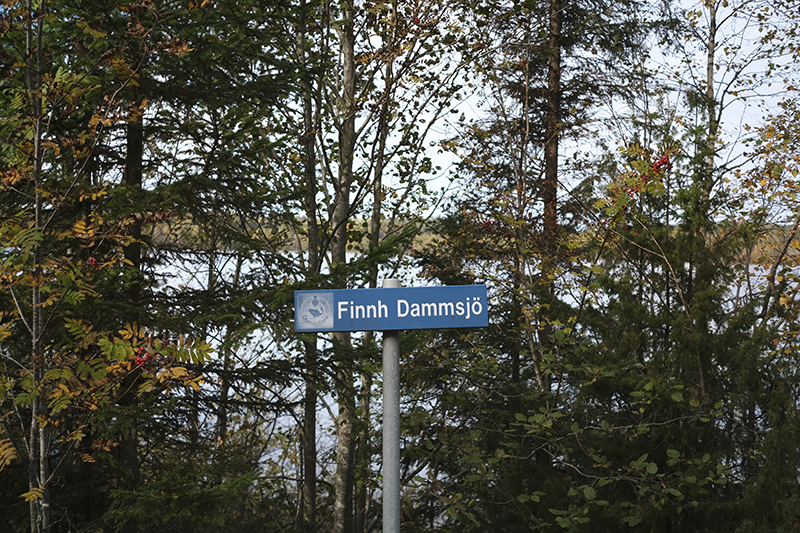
{"type": "Point", "coordinates": [93, 263]}
{"type": "Point", "coordinates": [141, 357]}
{"type": "Point", "coordinates": [662, 165]}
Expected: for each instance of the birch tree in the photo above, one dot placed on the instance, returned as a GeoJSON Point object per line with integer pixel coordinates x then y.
{"type": "Point", "coordinates": [377, 77]}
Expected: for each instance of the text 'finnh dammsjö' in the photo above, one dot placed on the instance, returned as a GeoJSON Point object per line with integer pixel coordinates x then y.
{"type": "Point", "coordinates": [387, 309]}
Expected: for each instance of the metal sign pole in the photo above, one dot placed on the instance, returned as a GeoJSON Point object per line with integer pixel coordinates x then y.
{"type": "Point", "coordinates": [391, 426]}
{"type": "Point", "coordinates": [391, 309]}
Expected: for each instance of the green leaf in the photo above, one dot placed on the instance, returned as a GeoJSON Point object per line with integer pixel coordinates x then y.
{"type": "Point", "coordinates": [632, 520]}
{"type": "Point", "coordinates": [108, 347]}
{"type": "Point", "coordinates": [589, 493]}
{"type": "Point", "coordinates": [59, 373]}
{"type": "Point", "coordinates": [27, 239]}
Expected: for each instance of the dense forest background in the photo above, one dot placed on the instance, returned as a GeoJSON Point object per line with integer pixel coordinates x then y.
{"type": "Point", "coordinates": [622, 175]}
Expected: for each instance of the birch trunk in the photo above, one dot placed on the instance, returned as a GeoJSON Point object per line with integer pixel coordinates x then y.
{"type": "Point", "coordinates": [308, 500]}
{"type": "Point", "coordinates": [345, 448]}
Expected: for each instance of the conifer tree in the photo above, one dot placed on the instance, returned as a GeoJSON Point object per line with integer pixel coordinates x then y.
{"type": "Point", "coordinates": [650, 357]}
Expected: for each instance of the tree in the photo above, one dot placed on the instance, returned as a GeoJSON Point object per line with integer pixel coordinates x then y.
{"type": "Point", "coordinates": [62, 242]}
{"type": "Point", "coordinates": [651, 360]}
{"type": "Point", "coordinates": [545, 77]}
{"type": "Point", "coordinates": [370, 94]}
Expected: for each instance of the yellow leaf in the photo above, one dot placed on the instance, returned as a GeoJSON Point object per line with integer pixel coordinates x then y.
{"type": "Point", "coordinates": [33, 494]}
{"type": "Point", "coordinates": [7, 452]}
{"type": "Point", "coordinates": [91, 31]}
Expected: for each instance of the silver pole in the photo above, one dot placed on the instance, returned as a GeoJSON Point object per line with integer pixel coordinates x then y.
{"type": "Point", "coordinates": [391, 426]}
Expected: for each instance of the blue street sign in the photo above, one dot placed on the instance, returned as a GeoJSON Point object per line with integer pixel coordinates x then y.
{"type": "Point", "coordinates": [389, 309]}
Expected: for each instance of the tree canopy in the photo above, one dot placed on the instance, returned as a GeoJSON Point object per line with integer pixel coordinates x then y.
{"type": "Point", "coordinates": [622, 176]}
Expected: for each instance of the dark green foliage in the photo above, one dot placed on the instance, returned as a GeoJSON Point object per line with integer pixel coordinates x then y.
{"type": "Point", "coordinates": [661, 409]}
{"type": "Point", "coordinates": [103, 72]}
